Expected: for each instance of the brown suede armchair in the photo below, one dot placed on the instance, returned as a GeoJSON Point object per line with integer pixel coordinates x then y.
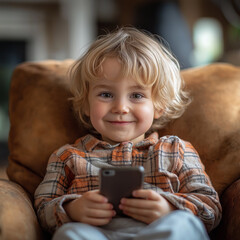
{"type": "Point", "coordinates": [42, 120]}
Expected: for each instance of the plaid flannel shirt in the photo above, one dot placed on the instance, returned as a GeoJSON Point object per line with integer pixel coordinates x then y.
{"type": "Point", "coordinates": [172, 168]}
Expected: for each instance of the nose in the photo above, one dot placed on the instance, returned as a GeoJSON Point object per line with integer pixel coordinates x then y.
{"type": "Point", "coordinates": [120, 106]}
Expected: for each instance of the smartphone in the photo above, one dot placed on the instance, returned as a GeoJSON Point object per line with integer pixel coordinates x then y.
{"type": "Point", "coordinates": [116, 183]}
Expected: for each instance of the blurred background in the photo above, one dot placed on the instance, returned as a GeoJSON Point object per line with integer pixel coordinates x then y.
{"type": "Point", "coordinates": [198, 32]}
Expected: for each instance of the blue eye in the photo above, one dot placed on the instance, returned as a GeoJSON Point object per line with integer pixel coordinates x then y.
{"type": "Point", "coordinates": [105, 95]}
{"type": "Point", "coordinates": [137, 96]}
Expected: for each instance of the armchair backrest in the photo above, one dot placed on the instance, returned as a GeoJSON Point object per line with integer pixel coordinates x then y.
{"type": "Point", "coordinates": [212, 121]}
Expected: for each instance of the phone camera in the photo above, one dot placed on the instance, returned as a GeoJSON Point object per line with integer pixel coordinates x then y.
{"type": "Point", "coordinates": [108, 173]}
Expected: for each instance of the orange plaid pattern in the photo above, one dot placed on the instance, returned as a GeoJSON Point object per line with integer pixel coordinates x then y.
{"type": "Point", "coordinates": [172, 168]}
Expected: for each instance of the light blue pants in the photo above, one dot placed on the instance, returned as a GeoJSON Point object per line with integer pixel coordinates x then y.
{"type": "Point", "coordinates": [177, 225]}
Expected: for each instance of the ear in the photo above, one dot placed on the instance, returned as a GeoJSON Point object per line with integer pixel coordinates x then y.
{"type": "Point", "coordinates": [158, 113]}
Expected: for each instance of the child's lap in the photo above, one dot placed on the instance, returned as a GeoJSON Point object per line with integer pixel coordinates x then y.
{"type": "Point", "coordinates": [173, 226]}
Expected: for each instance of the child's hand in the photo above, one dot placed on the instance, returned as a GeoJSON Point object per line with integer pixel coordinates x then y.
{"type": "Point", "coordinates": [148, 208]}
{"type": "Point", "coordinates": [92, 208]}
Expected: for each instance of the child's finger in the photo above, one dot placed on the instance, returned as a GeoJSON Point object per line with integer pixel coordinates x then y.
{"type": "Point", "coordinates": [99, 213]}
{"type": "Point", "coordinates": [146, 194]}
{"type": "Point", "coordinates": [135, 210]}
{"type": "Point", "coordinates": [104, 206]}
{"type": "Point", "coordinates": [145, 216]}
{"type": "Point", "coordinates": [139, 203]}
{"type": "Point", "coordinates": [95, 196]}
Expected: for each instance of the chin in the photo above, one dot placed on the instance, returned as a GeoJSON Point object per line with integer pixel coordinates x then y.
{"type": "Point", "coordinates": [117, 140]}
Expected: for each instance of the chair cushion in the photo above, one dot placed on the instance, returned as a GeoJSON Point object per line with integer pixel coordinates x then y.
{"type": "Point", "coordinates": [42, 120]}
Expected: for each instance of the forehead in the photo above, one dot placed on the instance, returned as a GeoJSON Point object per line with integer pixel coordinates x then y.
{"type": "Point", "coordinates": [111, 69]}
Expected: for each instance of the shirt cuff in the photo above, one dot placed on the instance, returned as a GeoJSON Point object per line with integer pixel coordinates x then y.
{"type": "Point", "coordinates": [60, 213]}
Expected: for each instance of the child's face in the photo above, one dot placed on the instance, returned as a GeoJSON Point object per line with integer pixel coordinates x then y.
{"type": "Point", "coordinates": [119, 108]}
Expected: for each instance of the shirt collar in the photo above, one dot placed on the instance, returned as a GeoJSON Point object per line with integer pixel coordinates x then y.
{"type": "Point", "coordinates": [90, 142]}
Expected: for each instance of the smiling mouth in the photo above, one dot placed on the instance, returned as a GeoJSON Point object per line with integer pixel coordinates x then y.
{"type": "Point", "coordinates": [120, 122]}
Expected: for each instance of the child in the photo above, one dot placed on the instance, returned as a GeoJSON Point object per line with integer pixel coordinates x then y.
{"type": "Point", "coordinates": [125, 88]}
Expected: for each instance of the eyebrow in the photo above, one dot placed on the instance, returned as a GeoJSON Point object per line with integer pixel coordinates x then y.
{"type": "Point", "coordinates": [102, 86]}
{"type": "Point", "coordinates": [137, 87]}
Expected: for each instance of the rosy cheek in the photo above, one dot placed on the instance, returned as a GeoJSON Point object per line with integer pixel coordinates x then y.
{"type": "Point", "coordinates": [146, 111]}
{"type": "Point", "coordinates": [96, 111]}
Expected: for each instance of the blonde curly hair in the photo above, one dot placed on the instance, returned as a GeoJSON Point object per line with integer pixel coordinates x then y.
{"type": "Point", "coordinates": [144, 58]}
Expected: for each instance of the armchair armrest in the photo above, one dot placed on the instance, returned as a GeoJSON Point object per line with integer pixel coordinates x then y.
{"type": "Point", "coordinates": [229, 226]}
{"type": "Point", "coordinates": [17, 218]}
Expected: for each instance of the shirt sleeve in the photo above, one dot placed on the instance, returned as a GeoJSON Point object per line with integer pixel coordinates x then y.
{"type": "Point", "coordinates": [51, 194]}
{"type": "Point", "coordinates": [196, 193]}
